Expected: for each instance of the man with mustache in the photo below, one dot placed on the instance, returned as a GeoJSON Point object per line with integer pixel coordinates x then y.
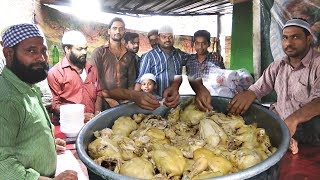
{"type": "Point", "coordinates": [27, 145]}
{"type": "Point", "coordinates": [116, 66]}
{"type": "Point", "coordinates": [131, 42]}
{"type": "Point", "coordinates": [153, 38]}
{"type": "Point", "coordinates": [200, 64]}
{"type": "Point", "coordinates": [165, 62]}
{"type": "Point", "coordinates": [296, 80]}
{"type": "Point", "coordinates": [74, 80]}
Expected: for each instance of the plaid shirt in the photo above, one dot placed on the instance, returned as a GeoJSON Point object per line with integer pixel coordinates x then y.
{"type": "Point", "coordinates": [195, 69]}
{"type": "Point", "coordinates": [156, 62]}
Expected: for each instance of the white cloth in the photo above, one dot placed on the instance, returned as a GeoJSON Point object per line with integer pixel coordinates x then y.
{"type": "Point", "coordinates": [2, 64]}
{"type": "Point", "coordinates": [83, 75]}
{"type": "Point", "coordinates": [227, 83]}
{"type": "Point", "coordinates": [67, 161]}
{"type": "Point", "coordinates": [246, 79]}
{"type": "Point", "coordinates": [223, 91]}
{"type": "Point", "coordinates": [222, 77]}
{"type": "Point", "coordinates": [46, 95]}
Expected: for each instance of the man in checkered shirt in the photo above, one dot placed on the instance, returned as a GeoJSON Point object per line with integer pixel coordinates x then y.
{"type": "Point", "coordinates": [200, 64]}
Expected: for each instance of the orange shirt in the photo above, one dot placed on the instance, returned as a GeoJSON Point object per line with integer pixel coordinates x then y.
{"type": "Point", "coordinates": [67, 86]}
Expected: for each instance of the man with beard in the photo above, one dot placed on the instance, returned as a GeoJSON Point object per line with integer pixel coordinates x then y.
{"type": "Point", "coordinates": [200, 64]}
{"type": "Point", "coordinates": [165, 62]}
{"type": "Point", "coordinates": [27, 147]}
{"type": "Point", "coordinates": [74, 80]}
{"type": "Point", "coordinates": [153, 38]}
{"type": "Point", "coordinates": [116, 66]}
{"type": "Point", "coordinates": [131, 42]}
{"type": "Point", "coordinates": [296, 80]}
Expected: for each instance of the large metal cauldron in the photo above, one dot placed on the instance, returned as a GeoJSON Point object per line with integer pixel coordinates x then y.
{"type": "Point", "coordinates": [268, 169]}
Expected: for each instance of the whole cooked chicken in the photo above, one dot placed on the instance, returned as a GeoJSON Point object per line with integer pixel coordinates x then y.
{"type": "Point", "coordinates": [186, 144]}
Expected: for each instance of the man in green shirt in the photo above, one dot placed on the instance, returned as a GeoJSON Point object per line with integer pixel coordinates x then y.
{"type": "Point", "coordinates": [27, 146]}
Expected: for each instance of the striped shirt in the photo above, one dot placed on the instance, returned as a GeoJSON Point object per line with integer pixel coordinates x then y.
{"type": "Point", "coordinates": [196, 69]}
{"type": "Point", "coordinates": [295, 87]}
{"type": "Point", "coordinates": [156, 62]}
{"type": "Point", "coordinates": [27, 146]}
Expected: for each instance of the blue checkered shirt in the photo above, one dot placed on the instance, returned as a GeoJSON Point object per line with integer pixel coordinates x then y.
{"type": "Point", "coordinates": [155, 62]}
{"type": "Point", "coordinates": [195, 69]}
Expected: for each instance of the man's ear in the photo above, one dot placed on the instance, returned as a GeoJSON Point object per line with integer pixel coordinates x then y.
{"type": "Point", "coordinates": [8, 54]}
{"type": "Point", "coordinates": [67, 49]}
{"type": "Point", "coordinates": [310, 39]}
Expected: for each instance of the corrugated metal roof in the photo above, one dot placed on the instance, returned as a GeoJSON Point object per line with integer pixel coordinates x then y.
{"type": "Point", "coordinates": [159, 7]}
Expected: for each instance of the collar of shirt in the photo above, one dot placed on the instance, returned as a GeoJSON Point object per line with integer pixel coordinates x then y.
{"type": "Point", "coordinates": [206, 59]}
{"type": "Point", "coordinates": [305, 61]}
{"type": "Point", "coordinates": [123, 51]}
{"type": "Point", "coordinates": [21, 86]}
{"type": "Point", "coordinates": [159, 50]}
{"type": "Point", "coordinates": [65, 63]}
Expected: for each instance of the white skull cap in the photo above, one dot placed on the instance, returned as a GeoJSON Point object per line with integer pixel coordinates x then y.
{"type": "Point", "coordinates": [165, 29]}
{"type": "Point", "coordinates": [298, 22]}
{"type": "Point", "coordinates": [74, 38]}
{"type": "Point", "coordinates": [148, 76]}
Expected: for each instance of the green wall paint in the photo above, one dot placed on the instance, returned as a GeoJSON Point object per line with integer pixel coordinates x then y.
{"type": "Point", "coordinates": [241, 43]}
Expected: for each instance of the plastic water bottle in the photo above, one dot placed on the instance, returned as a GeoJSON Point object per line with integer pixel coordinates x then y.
{"type": "Point", "coordinates": [55, 55]}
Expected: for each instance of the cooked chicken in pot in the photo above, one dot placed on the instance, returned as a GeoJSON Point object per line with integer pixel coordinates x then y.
{"type": "Point", "coordinates": [186, 144]}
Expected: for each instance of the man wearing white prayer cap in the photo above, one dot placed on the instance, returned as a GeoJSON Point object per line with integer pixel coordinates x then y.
{"type": "Point", "coordinates": [165, 62]}
{"type": "Point", "coordinates": [28, 150]}
{"type": "Point", "coordinates": [296, 80]}
{"type": "Point", "coordinates": [74, 80]}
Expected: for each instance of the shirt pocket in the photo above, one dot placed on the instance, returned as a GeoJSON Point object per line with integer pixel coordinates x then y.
{"type": "Point", "coordinates": [301, 92]}
{"type": "Point", "coordinates": [91, 90]}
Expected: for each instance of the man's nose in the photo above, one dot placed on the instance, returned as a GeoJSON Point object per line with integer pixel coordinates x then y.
{"type": "Point", "coordinates": [43, 57]}
{"type": "Point", "coordinates": [84, 51]}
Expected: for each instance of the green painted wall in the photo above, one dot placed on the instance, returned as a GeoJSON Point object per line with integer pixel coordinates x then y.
{"type": "Point", "coordinates": [241, 43]}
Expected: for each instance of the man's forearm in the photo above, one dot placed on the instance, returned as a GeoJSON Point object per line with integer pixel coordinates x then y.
{"type": "Point", "coordinates": [56, 109]}
{"type": "Point", "coordinates": [119, 94]}
{"type": "Point", "coordinates": [137, 87]}
{"type": "Point", "coordinates": [98, 105]}
{"type": "Point", "coordinates": [196, 84]}
{"type": "Point", "coordinates": [176, 82]}
{"type": "Point", "coordinates": [307, 112]}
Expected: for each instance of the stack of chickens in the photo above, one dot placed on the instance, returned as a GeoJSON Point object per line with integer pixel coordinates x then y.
{"type": "Point", "coordinates": [188, 144]}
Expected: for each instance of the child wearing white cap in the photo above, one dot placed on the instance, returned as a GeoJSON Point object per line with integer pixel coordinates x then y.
{"type": "Point", "coordinates": [148, 83]}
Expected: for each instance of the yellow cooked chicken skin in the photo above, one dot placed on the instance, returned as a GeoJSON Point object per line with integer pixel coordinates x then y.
{"type": "Point", "coordinates": [187, 144]}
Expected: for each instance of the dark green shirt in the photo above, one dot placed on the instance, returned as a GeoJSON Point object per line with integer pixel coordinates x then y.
{"type": "Point", "coordinates": [27, 146]}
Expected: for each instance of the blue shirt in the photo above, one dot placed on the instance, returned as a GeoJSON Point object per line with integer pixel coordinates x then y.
{"type": "Point", "coordinates": [156, 62]}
